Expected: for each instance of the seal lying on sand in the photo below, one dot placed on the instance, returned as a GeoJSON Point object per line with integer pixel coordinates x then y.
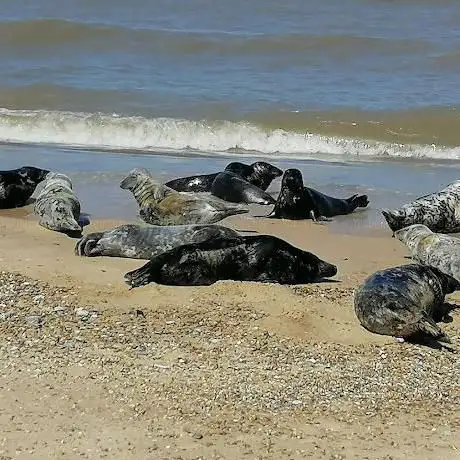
{"type": "Point", "coordinates": [405, 302]}
{"type": "Point", "coordinates": [249, 258]}
{"type": "Point", "coordinates": [296, 201]}
{"type": "Point", "coordinates": [260, 174]}
{"type": "Point", "coordinates": [434, 249]}
{"type": "Point", "coordinates": [145, 242]}
{"type": "Point", "coordinates": [18, 185]}
{"type": "Point", "coordinates": [161, 205]}
{"type": "Point", "coordinates": [57, 205]}
{"type": "Point", "coordinates": [230, 187]}
{"type": "Point", "coordinates": [439, 211]}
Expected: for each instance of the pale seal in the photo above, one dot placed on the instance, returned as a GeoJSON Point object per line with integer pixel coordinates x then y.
{"type": "Point", "coordinates": [145, 242]}
{"type": "Point", "coordinates": [57, 205]}
{"type": "Point", "coordinates": [230, 187]}
{"type": "Point", "coordinates": [260, 174]}
{"type": "Point", "coordinates": [161, 205]}
{"type": "Point", "coordinates": [405, 302]}
{"type": "Point", "coordinates": [296, 201]}
{"type": "Point", "coordinates": [18, 185]}
{"type": "Point", "coordinates": [439, 211]}
{"type": "Point", "coordinates": [261, 258]}
{"type": "Point", "coordinates": [434, 249]}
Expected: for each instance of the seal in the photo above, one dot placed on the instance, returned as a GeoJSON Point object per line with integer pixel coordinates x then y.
{"type": "Point", "coordinates": [434, 249]}
{"type": "Point", "coordinates": [145, 242]}
{"type": "Point", "coordinates": [405, 302]}
{"type": "Point", "coordinates": [296, 201]}
{"type": "Point", "coordinates": [439, 211]}
{"type": "Point", "coordinates": [58, 206]}
{"type": "Point", "coordinates": [18, 185]}
{"type": "Point", "coordinates": [263, 258]}
{"type": "Point", "coordinates": [260, 174]}
{"type": "Point", "coordinates": [230, 187]}
{"type": "Point", "coordinates": [161, 205]}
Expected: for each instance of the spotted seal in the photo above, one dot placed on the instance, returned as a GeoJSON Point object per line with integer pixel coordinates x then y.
{"type": "Point", "coordinates": [161, 205]}
{"type": "Point", "coordinates": [145, 242]}
{"type": "Point", "coordinates": [18, 185]}
{"type": "Point", "coordinates": [57, 205]}
{"type": "Point", "coordinates": [260, 174]}
{"type": "Point", "coordinates": [296, 201]}
{"type": "Point", "coordinates": [230, 187]}
{"type": "Point", "coordinates": [434, 249]}
{"type": "Point", "coordinates": [261, 258]}
{"type": "Point", "coordinates": [405, 302]}
{"type": "Point", "coordinates": [439, 211]}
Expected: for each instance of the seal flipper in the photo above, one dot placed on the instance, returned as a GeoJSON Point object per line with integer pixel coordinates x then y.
{"type": "Point", "coordinates": [428, 329]}
{"type": "Point", "coordinates": [358, 201]}
{"type": "Point", "coordinates": [88, 245]}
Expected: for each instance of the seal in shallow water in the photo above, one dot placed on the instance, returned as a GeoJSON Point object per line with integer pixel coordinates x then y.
{"type": "Point", "coordinates": [434, 249]}
{"type": "Point", "coordinates": [145, 242]}
{"type": "Point", "coordinates": [439, 211]}
{"type": "Point", "coordinates": [261, 258]}
{"type": "Point", "coordinates": [296, 201]}
{"type": "Point", "coordinates": [161, 205]}
{"type": "Point", "coordinates": [405, 302]}
{"type": "Point", "coordinates": [18, 185]}
{"type": "Point", "coordinates": [57, 205]}
{"type": "Point", "coordinates": [230, 187]}
{"type": "Point", "coordinates": [260, 174]}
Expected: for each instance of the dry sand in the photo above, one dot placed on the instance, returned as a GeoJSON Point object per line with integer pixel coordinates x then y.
{"type": "Point", "coordinates": [91, 369]}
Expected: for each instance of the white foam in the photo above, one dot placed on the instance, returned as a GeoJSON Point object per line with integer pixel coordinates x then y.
{"type": "Point", "coordinates": [138, 133]}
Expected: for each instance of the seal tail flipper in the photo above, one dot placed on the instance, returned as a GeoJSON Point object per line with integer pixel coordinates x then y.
{"type": "Point", "coordinates": [428, 328]}
{"type": "Point", "coordinates": [140, 276]}
{"type": "Point", "coordinates": [87, 246]}
{"type": "Point", "coordinates": [359, 201]}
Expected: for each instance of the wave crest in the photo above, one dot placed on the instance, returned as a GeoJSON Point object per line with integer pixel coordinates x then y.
{"type": "Point", "coordinates": [113, 132]}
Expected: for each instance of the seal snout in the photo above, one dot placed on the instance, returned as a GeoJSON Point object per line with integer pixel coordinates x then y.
{"type": "Point", "coordinates": [326, 270]}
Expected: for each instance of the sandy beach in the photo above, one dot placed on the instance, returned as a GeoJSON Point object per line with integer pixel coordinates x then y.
{"type": "Point", "coordinates": [91, 369]}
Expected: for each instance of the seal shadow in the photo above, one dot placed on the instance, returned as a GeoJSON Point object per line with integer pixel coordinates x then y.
{"type": "Point", "coordinates": [30, 201]}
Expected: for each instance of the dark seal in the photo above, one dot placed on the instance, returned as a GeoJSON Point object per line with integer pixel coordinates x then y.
{"type": "Point", "coordinates": [18, 185]}
{"type": "Point", "coordinates": [145, 242]}
{"type": "Point", "coordinates": [260, 174]}
{"type": "Point", "coordinates": [230, 187]}
{"type": "Point", "coordinates": [261, 258]}
{"type": "Point", "coordinates": [296, 201]}
{"type": "Point", "coordinates": [405, 302]}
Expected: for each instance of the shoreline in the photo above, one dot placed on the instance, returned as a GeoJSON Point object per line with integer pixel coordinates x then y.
{"type": "Point", "coordinates": [233, 370]}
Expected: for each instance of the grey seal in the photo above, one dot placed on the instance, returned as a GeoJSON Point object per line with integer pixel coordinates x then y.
{"type": "Point", "coordinates": [405, 302]}
{"type": "Point", "coordinates": [230, 187]}
{"type": "Point", "coordinates": [161, 205]}
{"type": "Point", "coordinates": [296, 201]}
{"type": "Point", "coordinates": [261, 258]}
{"type": "Point", "coordinates": [434, 249]}
{"type": "Point", "coordinates": [57, 205]}
{"type": "Point", "coordinates": [145, 242]}
{"type": "Point", "coordinates": [439, 211]}
{"type": "Point", "coordinates": [18, 185]}
{"type": "Point", "coordinates": [260, 174]}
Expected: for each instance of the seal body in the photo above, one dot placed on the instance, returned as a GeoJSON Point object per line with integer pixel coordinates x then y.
{"type": "Point", "coordinates": [230, 187]}
{"type": "Point", "coordinates": [404, 301]}
{"type": "Point", "coordinates": [161, 205]}
{"type": "Point", "coordinates": [434, 249]}
{"type": "Point", "coordinates": [296, 201]}
{"type": "Point", "coordinates": [261, 258]}
{"type": "Point", "coordinates": [18, 185]}
{"type": "Point", "coordinates": [145, 242]}
{"type": "Point", "coordinates": [57, 205]}
{"type": "Point", "coordinates": [439, 211]}
{"type": "Point", "coordinates": [260, 174]}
